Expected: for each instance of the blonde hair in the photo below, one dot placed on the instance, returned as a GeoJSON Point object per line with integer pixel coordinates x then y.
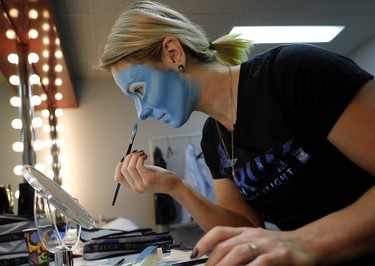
{"type": "Point", "coordinates": [139, 32]}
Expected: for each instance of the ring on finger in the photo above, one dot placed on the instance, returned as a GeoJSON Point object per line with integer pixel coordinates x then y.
{"type": "Point", "coordinates": [254, 249]}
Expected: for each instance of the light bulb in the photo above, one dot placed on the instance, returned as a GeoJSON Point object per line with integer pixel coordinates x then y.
{"type": "Point", "coordinates": [13, 58]}
{"type": "Point", "coordinates": [33, 14]}
{"type": "Point", "coordinates": [15, 101]}
{"type": "Point", "coordinates": [58, 54]}
{"type": "Point", "coordinates": [17, 123]}
{"type": "Point", "coordinates": [58, 96]}
{"type": "Point", "coordinates": [17, 146]}
{"type": "Point", "coordinates": [14, 80]}
{"type": "Point", "coordinates": [58, 82]}
{"type": "Point", "coordinates": [38, 145]}
{"type": "Point", "coordinates": [37, 122]}
{"type": "Point", "coordinates": [36, 100]}
{"type": "Point", "coordinates": [34, 79]}
{"type": "Point", "coordinates": [59, 112]}
{"type": "Point", "coordinates": [60, 142]}
{"type": "Point", "coordinates": [18, 170]}
{"type": "Point", "coordinates": [46, 128]}
{"type": "Point", "coordinates": [45, 113]}
{"type": "Point", "coordinates": [33, 34]}
{"type": "Point", "coordinates": [33, 58]}
{"type": "Point", "coordinates": [58, 68]}
{"type": "Point", "coordinates": [11, 34]}
{"type": "Point", "coordinates": [48, 158]}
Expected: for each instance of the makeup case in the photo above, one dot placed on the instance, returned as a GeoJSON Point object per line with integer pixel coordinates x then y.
{"type": "Point", "coordinates": [107, 243]}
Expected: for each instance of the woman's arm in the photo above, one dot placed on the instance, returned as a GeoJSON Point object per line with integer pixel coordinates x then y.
{"type": "Point", "coordinates": [231, 209]}
{"type": "Point", "coordinates": [354, 132]}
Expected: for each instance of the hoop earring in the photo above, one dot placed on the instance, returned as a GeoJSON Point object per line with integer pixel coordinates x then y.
{"type": "Point", "coordinates": [181, 68]}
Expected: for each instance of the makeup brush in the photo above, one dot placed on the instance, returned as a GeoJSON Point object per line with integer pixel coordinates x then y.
{"type": "Point", "coordinates": [134, 132]}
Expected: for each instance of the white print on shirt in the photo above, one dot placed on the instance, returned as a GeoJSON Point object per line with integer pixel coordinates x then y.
{"type": "Point", "coordinates": [247, 178]}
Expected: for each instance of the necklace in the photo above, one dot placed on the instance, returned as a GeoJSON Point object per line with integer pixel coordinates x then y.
{"type": "Point", "coordinates": [233, 125]}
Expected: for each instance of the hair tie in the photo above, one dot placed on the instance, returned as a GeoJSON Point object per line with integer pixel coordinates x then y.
{"type": "Point", "coordinates": [211, 46]}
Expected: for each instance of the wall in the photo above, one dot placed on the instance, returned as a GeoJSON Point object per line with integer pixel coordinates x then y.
{"type": "Point", "coordinates": [365, 56]}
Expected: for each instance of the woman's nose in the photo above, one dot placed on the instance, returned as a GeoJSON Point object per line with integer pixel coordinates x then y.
{"type": "Point", "coordinates": [143, 114]}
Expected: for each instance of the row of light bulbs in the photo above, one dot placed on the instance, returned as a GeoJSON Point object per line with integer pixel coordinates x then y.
{"type": "Point", "coordinates": [44, 34]}
{"type": "Point", "coordinates": [34, 79]}
{"type": "Point", "coordinates": [37, 122]}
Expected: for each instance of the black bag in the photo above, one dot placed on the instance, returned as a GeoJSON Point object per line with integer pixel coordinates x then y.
{"type": "Point", "coordinates": [112, 243]}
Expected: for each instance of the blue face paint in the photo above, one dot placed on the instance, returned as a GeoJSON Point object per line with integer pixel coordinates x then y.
{"type": "Point", "coordinates": [163, 94]}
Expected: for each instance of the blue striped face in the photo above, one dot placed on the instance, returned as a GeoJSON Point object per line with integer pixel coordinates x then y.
{"type": "Point", "coordinates": [163, 94]}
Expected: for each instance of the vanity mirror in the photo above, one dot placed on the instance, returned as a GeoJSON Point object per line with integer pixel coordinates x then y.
{"type": "Point", "coordinates": [58, 216]}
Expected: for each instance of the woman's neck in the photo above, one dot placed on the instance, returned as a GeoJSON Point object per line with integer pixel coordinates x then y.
{"type": "Point", "coordinates": [216, 83]}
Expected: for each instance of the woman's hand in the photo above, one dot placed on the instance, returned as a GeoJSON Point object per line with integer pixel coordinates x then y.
{"type": "Point", "coordinates": [141, 178]}
{"type": "Point", "coordinates": [253, 246]}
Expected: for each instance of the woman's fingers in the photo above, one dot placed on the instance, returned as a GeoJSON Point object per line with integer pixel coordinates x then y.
{"type": "Point", "coordinates": [215, 236]}
{"type": "Point", "coordinates": [125, 171]}
{"type": "Point", "coordinates": [130, 170]}
{"type": "Point", "coordinates": [142, 178]}
{"type": "Point", "coordinates": [119, 177]}
{"type": "Point", "coordinates": [239, 254]}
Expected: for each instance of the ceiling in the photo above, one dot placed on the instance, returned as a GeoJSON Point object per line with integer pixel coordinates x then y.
{"type": "Point", "coordinates": [84, 24]}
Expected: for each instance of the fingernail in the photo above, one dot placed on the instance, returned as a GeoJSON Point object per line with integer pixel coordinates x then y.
{"type": "Point", "coordinates": [194, 253]}
{"type": "Point", "coordinates": [134, 151]}
{"type": "Point", "coordinates": [122, 159]}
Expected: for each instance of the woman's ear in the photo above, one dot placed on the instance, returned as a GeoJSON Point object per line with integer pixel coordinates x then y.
{"type": "Point", "coordinates": [173, 55]}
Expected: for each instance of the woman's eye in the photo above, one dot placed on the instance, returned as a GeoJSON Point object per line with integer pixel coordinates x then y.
{"type": "Point", "coordinates": [138, 88]}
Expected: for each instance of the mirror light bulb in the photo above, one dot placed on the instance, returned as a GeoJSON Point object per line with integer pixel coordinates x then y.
{"type": "Point", "coordinates": [14, 80]}
{"type": "Point", "coordinates": [17, 123]}
{"type": "Point", "coordinates": [15, 101]}
{"type": "Point", "coordinates": [13, 58]}
{"type": "Point", "coordinates": [17, 146]}
{"type": "Point", "coordinates": [38, 145]}
{"type": "Point", "coordinates": [33, 58]}
{"type": "Point", "coordinates": [58, 96]}
{"type": "Point", "coordinates": [18, 170]}
{"type": "Point", "coordinates": [37, 122]}
{"type": "Point", "coordinates": [36, 100]}
{"type": "Point", "coordinates": [59, 112]}
{"type": "Point", "coordinates": [34, 79]}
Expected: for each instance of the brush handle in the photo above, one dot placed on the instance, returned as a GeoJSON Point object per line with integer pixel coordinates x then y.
{"type": "Point", "coordinates": [118, 184]}
{"type": "Point", "coordinates": [135, 128]}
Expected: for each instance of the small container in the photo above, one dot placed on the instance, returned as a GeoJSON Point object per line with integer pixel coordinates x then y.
{"type": "Point", "coordinates": [38, 254]}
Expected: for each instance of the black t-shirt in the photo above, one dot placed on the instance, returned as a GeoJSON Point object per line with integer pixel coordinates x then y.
{"type": "Point", "coordinates": [289, 98]}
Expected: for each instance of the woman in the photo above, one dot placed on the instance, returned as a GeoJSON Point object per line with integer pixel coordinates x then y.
{"type": "Point", "coordinates": [289, 139]}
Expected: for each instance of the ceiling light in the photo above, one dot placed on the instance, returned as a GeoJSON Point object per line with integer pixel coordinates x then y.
{"type": "Point", "coordinates": [288, 34]}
